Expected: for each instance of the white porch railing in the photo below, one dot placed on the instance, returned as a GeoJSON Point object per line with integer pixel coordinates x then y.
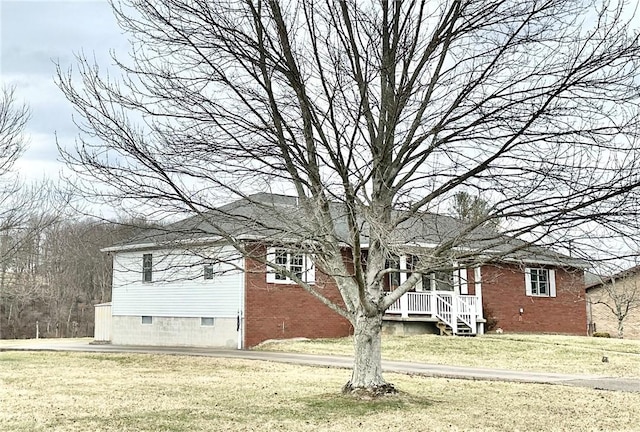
{"type": "Point", "coordinates": [445, 305]}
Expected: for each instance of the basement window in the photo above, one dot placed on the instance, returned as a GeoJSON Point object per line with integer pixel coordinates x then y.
{"type": "Point", "coordinates": [147, 319]}
{"type": "Point", "coordinates": [207, 322]}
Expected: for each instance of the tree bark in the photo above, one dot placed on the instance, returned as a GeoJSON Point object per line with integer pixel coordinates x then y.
{"type": "Point", "coordinates": [366, 377]}
{"type": "Point", "coordinates": [620, 329]}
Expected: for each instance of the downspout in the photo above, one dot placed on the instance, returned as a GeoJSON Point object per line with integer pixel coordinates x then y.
{"type": "Point", "coordinates": [241, 301]}
{"type": "Point", "coordinates": [477, 281]}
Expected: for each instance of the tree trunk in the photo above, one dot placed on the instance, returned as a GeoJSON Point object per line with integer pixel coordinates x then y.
{"type": "Point", "coordinates": [366, 378]}
{"type": "Point", "coordinates": [620, 328]}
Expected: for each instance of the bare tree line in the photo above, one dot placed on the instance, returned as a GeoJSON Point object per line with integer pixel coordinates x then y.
{"type": "Point", "coordinates": [51, 269]}
{"type": "Point", "coordinates": [54, 275]}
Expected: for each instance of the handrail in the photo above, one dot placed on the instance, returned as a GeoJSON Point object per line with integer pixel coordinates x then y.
{"type": "Point", "coordinates": [444, 305]}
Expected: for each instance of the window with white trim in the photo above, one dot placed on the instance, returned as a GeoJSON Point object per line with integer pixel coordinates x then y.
{"type": "Point", "coordinates": [301, 265]}
{"type": "Point", "coordinates": [456, 280]}
{"type": "Point", "coordinates": [540, 282]}
{"type": "Point", "coordinates": [450, 280]}
{"type": "Point", "coordinates": [394, 277]}
{"type": "Point", "coordinates": [208, 271]}
{"type": "Point", "coordinates": [147, 267]}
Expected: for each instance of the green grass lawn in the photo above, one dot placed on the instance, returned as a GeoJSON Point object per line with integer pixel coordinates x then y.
{"type": "Point", "coordinates": [137, 392]}
{"type": "Point", "coordinates": [540, 353]}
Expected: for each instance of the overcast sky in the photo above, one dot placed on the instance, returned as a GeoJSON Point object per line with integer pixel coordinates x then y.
{"type": "Point", "coordinates": [34, 35]}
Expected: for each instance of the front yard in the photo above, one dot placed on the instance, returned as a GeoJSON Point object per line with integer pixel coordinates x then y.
{"type": "Point", "coordinates": [137, 392]}
{"type": "Point", "coordinates": [540, 353]}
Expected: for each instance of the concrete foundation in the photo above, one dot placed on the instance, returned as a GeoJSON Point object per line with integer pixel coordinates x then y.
{"type": "Point", "coordinates": [408, 328]}
{"type": "Point", "coordinates": [174, 331]}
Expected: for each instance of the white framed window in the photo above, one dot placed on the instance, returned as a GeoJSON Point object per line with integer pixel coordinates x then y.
{"type": "Point", "coordinates": [452, 280]}
{"type": "Point", "coordinates": [208, 271]}
{"type": "Point", "coordinates": [441, 281]}
{"type": "Point", "coordinates": [461, 280]}
{"type": "Point", "coordinates": [540, 282]}
{"type": "Point", "coordinates": [147, 268]}
{"type": "Point", "coordinates": [147, 319]}
{"type": "Point", "coordinates": [301, 265]}
{"type": "Point", "coordinates": [456, 280]}
{"type": "Point", "coordinates": [207, 321]}
{"type": "Point", "coordinates": [394, 277]}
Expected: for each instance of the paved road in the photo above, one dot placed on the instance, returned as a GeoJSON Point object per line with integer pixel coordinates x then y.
{"type": "Point", "coordinates": [459, 372]}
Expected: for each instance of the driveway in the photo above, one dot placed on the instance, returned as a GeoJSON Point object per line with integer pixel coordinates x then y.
{"type": "Point", "coordinates": [432, 370]}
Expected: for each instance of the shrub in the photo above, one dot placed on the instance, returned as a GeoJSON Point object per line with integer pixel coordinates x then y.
{"type": "Point", "coordinates": [602, 334]}
{"type": "Point", "coordinates": [492, 322]}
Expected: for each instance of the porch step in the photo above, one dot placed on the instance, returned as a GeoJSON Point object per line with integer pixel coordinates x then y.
{"type": "Point", "coordinates": [446, 330]}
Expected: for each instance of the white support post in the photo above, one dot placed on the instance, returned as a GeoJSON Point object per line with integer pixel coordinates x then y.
{"type": "Point", "coordinates": [454, 313]}
{"type": "Point", "coordinates": [404, 300]}
{"type": "Point", "coordinates": [404, 306]}
{"type": "Point", "coordinates": [477, 279]}
{"type": "Point", "coordinates": [403, 269]}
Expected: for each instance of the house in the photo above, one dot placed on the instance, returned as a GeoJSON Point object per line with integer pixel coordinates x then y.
{"type": "Point", "coordinates": [167, 289]}
{"type": "Point", "coordinates": [614, 297]}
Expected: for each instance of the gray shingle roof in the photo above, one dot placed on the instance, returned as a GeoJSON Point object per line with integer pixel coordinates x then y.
{"type": "Point", "coordinates": [254, 218]}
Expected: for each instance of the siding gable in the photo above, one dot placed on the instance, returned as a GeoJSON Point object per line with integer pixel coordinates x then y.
{"type": "Point", "coordinates": [178, 288]}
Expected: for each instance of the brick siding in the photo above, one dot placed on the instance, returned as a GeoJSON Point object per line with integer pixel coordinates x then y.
{"type": "Point", "coordinates": [504, 294]}
{"type": "Point", "coordinates": [283, 311]}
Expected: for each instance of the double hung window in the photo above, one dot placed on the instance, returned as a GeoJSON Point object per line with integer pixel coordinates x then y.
{"type": "Point", "coordinates": [290, 263]}
{"type": "Point", "coordinates": [540, 282]}
{"type": "Point", "coordinates": [147, 268]}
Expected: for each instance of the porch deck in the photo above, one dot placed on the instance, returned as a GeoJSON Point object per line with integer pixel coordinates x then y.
{"type": "Point", "coordinates": [461, 313]}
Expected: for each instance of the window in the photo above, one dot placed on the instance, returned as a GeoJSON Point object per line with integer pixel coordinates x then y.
{"type": "Point", "coordinates": [207, 322]}
{"type": "Point", "coordinates": [297, 263]}
{"type": "Point", "coordinates": [208, 271]}
{"type": "Point", "coordinates": [456, 280]}
{"type": "Point", "coordinates": [441, 281]}
{"type": "Point", "coordinates": [540, 282]}
{"type": "Point", "coordinates": [394, 277]}
{"type": "Point", "coordinates": [282, 259]}
{"type": "Point", "coordinates": [147, 320]}
{"type": "Point", "coordinates": [147, 268]}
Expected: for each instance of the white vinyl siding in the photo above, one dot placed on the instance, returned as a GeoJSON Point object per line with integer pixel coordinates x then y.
{"type": "Point", "coordinates": [540, 282]}
{"type": "Point", "coordinates": [297, 263]}
{"type": "Point", "coordinates": [178, 289]}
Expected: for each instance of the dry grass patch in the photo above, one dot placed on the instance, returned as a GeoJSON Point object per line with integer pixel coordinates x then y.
{"type": "Point", "coordinates": [135, 392]}
{"type": "Point", "coordinates": [540, 353]}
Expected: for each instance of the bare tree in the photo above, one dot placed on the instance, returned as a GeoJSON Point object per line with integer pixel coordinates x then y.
{"type": "Point", "coordinates": [376, 112]}
{"type": "Point", "coordinates": [13, 119]}
{"type": "Point", "coordinates": [25, 211]}
{"type": "Point", "coordinates": [473, 209]}
{"type": "Point", "coordinates": [618, 294]}
{"type": "Point", "coordinates": [55, 273]}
